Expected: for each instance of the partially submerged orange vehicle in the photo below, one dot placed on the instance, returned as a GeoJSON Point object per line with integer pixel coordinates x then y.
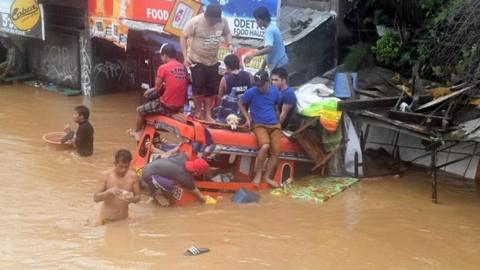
{"type": "Point", "coordinates": [232, 152]}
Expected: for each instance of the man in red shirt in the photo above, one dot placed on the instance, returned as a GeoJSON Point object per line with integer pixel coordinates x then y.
{"type": "Point", "coordinates": [172, 80]}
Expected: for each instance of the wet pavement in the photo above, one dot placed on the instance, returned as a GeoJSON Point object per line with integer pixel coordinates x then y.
{"type": "Point", "coordinates": [47, 209]}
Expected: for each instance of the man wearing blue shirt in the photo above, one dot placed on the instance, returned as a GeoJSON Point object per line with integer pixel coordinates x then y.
{"type": "Point", "coordinates": [262, 100]}
{"type": "Point", "coordinates": [288, 99]}
{"type": "Point", "coordinates": [273, 41]}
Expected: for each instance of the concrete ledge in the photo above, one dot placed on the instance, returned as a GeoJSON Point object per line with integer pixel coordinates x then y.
{"type": "Point", "coordinates": [25, 76]}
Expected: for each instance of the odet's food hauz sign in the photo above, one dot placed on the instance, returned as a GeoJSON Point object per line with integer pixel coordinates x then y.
{"type": "Point", "coordinates": [239, 14]}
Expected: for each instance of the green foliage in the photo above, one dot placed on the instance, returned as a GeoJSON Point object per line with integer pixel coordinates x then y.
{"type": "Point", "coordinates": [423, 53]}
{"type": "Point", "coordinates": [447, 11]}
{"type": "Point", "coordinates": [387, 48]}
{"type": "Point", "coordinates": [422, 38]}
{"type": "Point", "coordinates": [454, 33]}
{"type": "Point", "coordinates": [359, 56]}
{"type": "Point", "coordinates": [468, 64]}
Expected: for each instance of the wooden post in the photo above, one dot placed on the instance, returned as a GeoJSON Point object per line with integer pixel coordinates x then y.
{"type": "Point", "coordinates": [434, 173]}
{"type": "Point", "coordinates": [477, 174]}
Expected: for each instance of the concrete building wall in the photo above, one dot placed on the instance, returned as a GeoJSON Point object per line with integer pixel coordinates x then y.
{"type": "Point", "coordinates": [57, 59]}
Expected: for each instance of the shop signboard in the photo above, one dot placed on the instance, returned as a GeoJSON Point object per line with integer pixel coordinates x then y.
{"type": "Point", "coordinates": [239, 14]}
{"type": "Point", "coordinates": [22, 17]}
{"type": "Point", "coordinates": [183, 11]}
{"type": "Point", "coordinates": [107, 18]}
{"type": "Point", "coordinates": [153, 11]}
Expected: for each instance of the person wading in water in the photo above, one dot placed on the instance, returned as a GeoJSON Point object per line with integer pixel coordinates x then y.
{"type": "Point", "coordinates": [117, 188]}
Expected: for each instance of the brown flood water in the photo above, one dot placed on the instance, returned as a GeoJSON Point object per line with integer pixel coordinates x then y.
{"type": "Point", "coordinates": [47, 208]}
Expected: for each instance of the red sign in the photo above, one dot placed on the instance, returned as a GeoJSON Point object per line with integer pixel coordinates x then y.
{"type": "Point", "coordinates": [154, 11]}
{"type": "Point", "coordinates": [103, 8]}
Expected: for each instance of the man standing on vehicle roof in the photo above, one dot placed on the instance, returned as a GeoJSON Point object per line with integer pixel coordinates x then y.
{"type": "Point", "coordinates": [273, 48]}
{"type": "Point", "coordinates": [205, 32]}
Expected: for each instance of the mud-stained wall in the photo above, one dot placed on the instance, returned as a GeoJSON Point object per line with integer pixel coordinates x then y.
{"type": "Point", "coordinates": [56, 60]}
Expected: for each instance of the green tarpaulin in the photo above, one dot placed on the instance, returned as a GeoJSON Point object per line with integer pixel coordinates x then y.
{"type": "Point", "coordinates": [314, 188]}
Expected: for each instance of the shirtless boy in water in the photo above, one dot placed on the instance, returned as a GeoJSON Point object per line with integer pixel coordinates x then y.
{"type": "Point", "coordinates": [117, 188]}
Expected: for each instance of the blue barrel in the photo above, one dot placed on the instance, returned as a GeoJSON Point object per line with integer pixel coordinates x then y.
{"type": "Point", "coordinates": [341, 84]}
{"type": "Point", "coordinates": [245, 196]}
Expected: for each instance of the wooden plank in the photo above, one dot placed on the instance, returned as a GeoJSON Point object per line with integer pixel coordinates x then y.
{"type": "Point", "coordinates": [383, 124]}
{"type": "Point", "coordinates": [314, 151]}
{"type": "Point", "coordinates": [417, 118]}
{"type": "Point", "coordinates": [396, 123]}
{"type": "Point", "coordinates": [327, 158]}
{"type": "Point", "coordinates": [444, 98]}
{"type": "Point", "coordinates": [352, 105]}
{"type": "Point", "coordinates": [373, 94]}
{"type": "Point", "coordinates": [477, 174]}
{"type": "Point", "coordinates": [305, 126]}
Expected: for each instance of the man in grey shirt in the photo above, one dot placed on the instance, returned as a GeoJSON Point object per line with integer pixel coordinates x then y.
{"type": "Point", "coordinates": [179, 169]}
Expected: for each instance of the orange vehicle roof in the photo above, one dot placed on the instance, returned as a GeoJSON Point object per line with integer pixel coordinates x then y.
{"type": "Point", "coordinates": [191, 129]}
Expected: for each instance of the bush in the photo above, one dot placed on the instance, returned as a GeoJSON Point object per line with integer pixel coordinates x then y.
{"type": "Point", "coordinates": [387, 48]}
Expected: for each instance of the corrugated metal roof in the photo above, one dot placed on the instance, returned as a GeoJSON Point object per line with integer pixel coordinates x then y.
{"type": "Point", "coordinates": [287, 14]}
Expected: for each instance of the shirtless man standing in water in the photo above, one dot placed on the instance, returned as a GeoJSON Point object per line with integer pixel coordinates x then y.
{"type": "Point", "coordinates": [117, 188]}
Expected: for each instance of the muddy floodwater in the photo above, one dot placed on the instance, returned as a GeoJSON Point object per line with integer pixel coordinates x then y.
{"type": "Point", "coordinates": [46, 210]}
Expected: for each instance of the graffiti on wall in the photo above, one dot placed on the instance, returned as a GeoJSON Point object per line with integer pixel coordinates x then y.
{"type": "Point", "coordinates": [57, 64]}
{"type": "Point", "coordinates": [111, 70]}
{"type": "Point", "coordinates": [85, 67]}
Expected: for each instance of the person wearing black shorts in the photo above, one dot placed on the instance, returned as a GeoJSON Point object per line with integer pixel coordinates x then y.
{"type": "Point", "coordinates": [205, 31]}
{"type": "Point", "coordinates": [205, 83]}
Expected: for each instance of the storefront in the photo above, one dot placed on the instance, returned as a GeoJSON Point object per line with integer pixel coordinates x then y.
{"type": "Point", "coordinates": [126, 33]}
{"type": "Point", "coordinates": [21, 22]}
{"type": "Point", "coordinates": [52, 35]}
{"type": "Point", "coordinates": [105, 46]}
